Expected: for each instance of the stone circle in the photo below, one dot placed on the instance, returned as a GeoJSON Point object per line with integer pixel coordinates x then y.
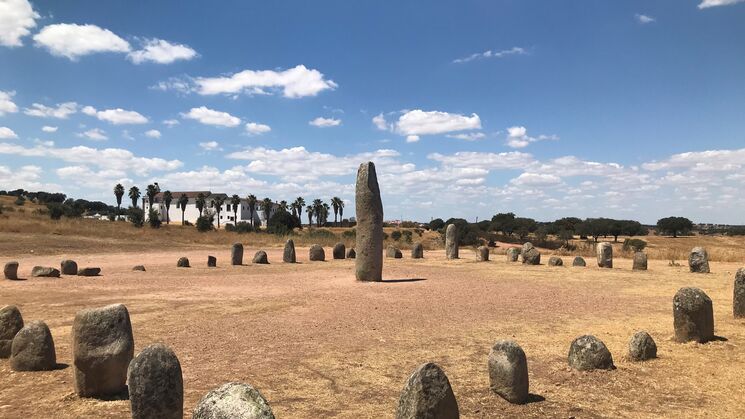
{"type": "Point", "coordinates": [555, 261]}
{"type": "Point", "coordinates": [483, 253]}
{"type": "Point", "coordinates": [417, 251]}
{"type": "Point", "coordinates": [288, 255]}
{"type": "Point", "coordinates": [89, 271]}
{"type": "Point", "coordinates": [513, 253]}
{"type": "Point", "coordinates": [211, 262]}
{"type": "Point", "coordinates": [605, 255]}
{"type": "Point", "coordinates": [640, 261]}
{"type": "Point", "coordinates": [260, 258]}
{"type": "Point", "coordinates": [351, 253]}
{"type": "Point", "coordinates": [642, 347]}
{"type": "Point", "coordinates": [530, 255]}
{"type": "Point", "coordinates": [33, 349]}
{"type": "Point", "coordinates": [427, 394]}
{"type": "Point", "coordinates": [316, 253]}
{"type": "Point", "coordinates": [183, 262]}
{"type": "Point", "coordinates": [369, 230]}
{"type": "Point", "coordinates": [693, 316]}
{"type": "Point", "coordinates": [236, 254]}
{"type": "Point", "coordinates": [451, 241]}
{"type": "Point", "coordinates": [579, 261]}
{"type": "Point", "coordinates": [738, 300]}
{"type": "Point", "coordinates": [339, 251]}
{"type": "Point", "coordinates": [233, 401]}
{"type": "Point", "coordinates": [11, 270]}
{"type": "Point", "coordinates": [589, 353]}
{"type": "Point", "coordinates": [393, 252]}
{"type": "Point", "coordinates": [508, 371]}
{"type": "Point", "coordinates": [11, 322]}
{"type": "Point", "coordinates": [698, 260]}
{"type": "Point", "coordinates": [155, 383]}
{"type": "Point", "coordinates": [45, 272]}
{"type": "Point", "coordinates": [69, 267]}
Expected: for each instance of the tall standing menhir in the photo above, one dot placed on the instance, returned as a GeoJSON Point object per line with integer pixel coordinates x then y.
{"type": "Point", "coordinates": [369, 248]}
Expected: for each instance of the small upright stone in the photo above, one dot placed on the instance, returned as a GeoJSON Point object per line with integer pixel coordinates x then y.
{"type": "Point", "coordinates": [642, 347]}
{"type": "Point", "coordinates": [369, 236]}
{"type": "Point", "coordinates": [483, 253]}
{"type": "Point", "coordinates": [427, 395]}
{"type": "Point", "coordinates": [693, 316]}
{"type": "Point", "coordinates": [316, 253]}
{"type": "Point", "coordinates": [451, 241]}
{"type": "Point", "coordinates": [44, 272]}
{"type": "Point", "coordinates": [605, 255]}
{"type": "Point", "coordinates": [589, 353]}
{"type": "Point", "coordinates": [738, 302]}
{"type": "Point", "coordinates": [11, 270]}
{"type": "Point", "coordinates": [579, 261]}
{"type": "Point", "coordinates": [351, 253]}
{"type": "Point", "coordinates": [155, 383]}
{"type": "Point", "coordinates": [102, 347]}
{"type": "Point", "coordinates": [698, 260]}
{"type": "Point", "coordinates": [236, 254]}
{"type": "Point", "coordinates": [555, 261]}
{"type": "Point", "coordinates": [508, 371]}
{"type": "Point", "coordinates": [33, 349]}
{"type": "Point", "coordinates": [233, 401]}
{"type": "Point", "coordinates": [393, 252]}
{"type": "Point", "coordinates": [69, 267]}
{"type": "Point", "coordinates": [183, 262]}
{"type": "Point", "coordinates": [513, 253]}
{"type": "Point", "coordinates": [288, 255]}
{"type": "Point", "coordinates": [640, 261]}
{"type": "Point", "coordinates": [530, 255]}
{"type": "Point", "coordinates": [417, 251]}
{"type": "Point", "coordinates": [211, 262]}
{"type": "Point", "coordinates": [339, 251]}
{"type": "Point", "coordinates": [89, 271]}
{"type": "Point", "coordinates": [140, 268]}
{"type": "Point", "coordinates": [260, 258]}
{"type": "Point", "coordinates": [11, 323]}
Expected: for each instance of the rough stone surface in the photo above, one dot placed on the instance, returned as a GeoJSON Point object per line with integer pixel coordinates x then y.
{"type": "Point", "coordinates": [642, 347]}
{"type": "Point", "coordinates": [288, 256]}
{"type": "Point", "coordinates": [11, 322]}
{"type": "Point", "coordinates": [369, 237]}
{"type": "Point", "coordinates": [155, 383]}
{"type": "Point", "coordinates": [589, 353]}
{"type": "Point", "coordinates": [530, 255]}
{"type": "Point", "coordinates": [339, 251]}
{"type": "Point", "coordinates": [698, 260]}
{"type": "Point", "coordinates": [33, 349]}
{"type": "Point", "coordinates": [69, 267]}
{"type": "Point", "coordinates": [183, 262]}
{"type": "Point", "coordinates": [140, 268]}
{"type": "Point", "coordinates": [451, 241]}
{"type": "Point", "coordinates": [427, 394]}
{"type": "Point", "coordinates": [640, 261]}
{"type": "Point", "coordinates": [11, 270]}
{"type": "Point", "coordinates": [605, 255]}
{"type": "Point", "coordinates": [483, 253]}
{"type": "Point", "coordinates": [211, 262]}
{"type": "Point", "coordinates": [102, 346]}
{"type": "Point", "coordinates": [393, 252]}
{"type": "Point", "coordinates": [233, 401]}
{"type": "Point", "coordinates": [89, 271]}
{"type": "Point", "coordinates": [260, 258]}
{"type": "Point", "coordinates": [738, 302]}
{"type": "Point", "coordinates": [45, 272]}
{"type": "Point", "coordinates": [417, 251]}
{"type": "Point", "coordinates": [579, 261]}
{"type": "Point", "coordinates": [555, 261]}
{"type": "Point", "coordinates": [316, 253]}
{"type": "Point", "coordinates": [693, 316]}
{"type": "Point", "coordinates": [508, 371]}
{"type": "Point", "coordinates": [513, 253]}
{"type": "Point", "coordinates": [236, 254]}
{"type": "Point", "coordinates": [351, 253]}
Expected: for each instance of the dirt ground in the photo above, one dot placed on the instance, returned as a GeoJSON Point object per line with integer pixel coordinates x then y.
{"type": "Point", "coordinates": [318, 344]}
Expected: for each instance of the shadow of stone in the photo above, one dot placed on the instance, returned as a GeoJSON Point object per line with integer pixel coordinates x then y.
{"type": "Point", "coordinates": [719, 339]}
{"type": "Point", "coordinates": [395, 281]}
{"type": "Point", "coordinates": [60, 366]}
{"type": "Point", "coordinates": [124, 395]}
{"type": "Point", "coordinates": [535, 398]}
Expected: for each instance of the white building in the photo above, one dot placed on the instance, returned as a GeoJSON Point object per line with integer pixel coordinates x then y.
{"type": "Point", "coordinates": [228, 215]}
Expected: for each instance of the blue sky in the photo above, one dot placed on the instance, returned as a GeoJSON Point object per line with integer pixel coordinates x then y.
{"type": "Point", "coordinates": [627, 109]}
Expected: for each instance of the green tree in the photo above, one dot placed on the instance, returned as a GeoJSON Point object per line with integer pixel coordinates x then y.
{"type": "Point", "coordinates": [134, 195]}
{"type": "Point", "coordinates": [266, 205]}
{"type": "Point", "coordinates": [151, 191]}
{"type": "Point", "coordinates": [337, 204]}
{"type": "Point", "coordinates": [118, 193]}
{"type": "Point", "coordinates": [183, 200]}
{"type": "Point", "coordinates": [436, 224]}
{"type": "Point", "coordinates": [167, 199]}
{"type": "Point", "coordinates": [251, 200]}
{"type": "Point", "coordinates": [309, 211]}
{"type": "Point", "coordinates": [153, 218]}
{"type": "Point", "coordinates": [318, 210]}
{"type": "Point", "coordinates": [200, 202]}
{"type": "Point", "coordinates": [674, 225]}
{"type": "Point", "coordinates": [217, 204]}
{"type": "Point", "coordinates": [283, 205]}
{"type": "Point", "coordinates": [504, 222]}
{"type": "Point", "coordinates": [299, 203]}
{"type": "Point", "coordinates": [235, 200]}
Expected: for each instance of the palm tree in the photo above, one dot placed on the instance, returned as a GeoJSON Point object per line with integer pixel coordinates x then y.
{"type": "Point", "coordinates": [317, 210]}
{"type": "Point", "coordinates": [309, 211]}
{"type": "Point", "coordinates": [325, 211]}
{"type": "Point", "coordinates": [151, 191]}
{"type": "Point", "coordinates": [217, 205]}
{"type": "Point", "coordinates": [283, 205]}
{"type": "Point", "coordinates": [266, 205]}
{"type": "Point", "coordinates": [341, 211]}
{"type": "Point", "coordinates": [167, 198]}
{"type": "Point", "coordinates": [337, 203]}
{"type": "Point", "coordinates": [236, 201]}
{"type": "Point", "coordinates": [300, 203]}
{"type": "Point", "coordinates": [251, 208]}
{"type": "Point", "coordinates": [134, 195]}
{"type": "Point", "coordinates": [183, 200]}
{"type": "Point", "coordinates": [200, 202]}
{"type": "Point", "coordinates": [119, 193]}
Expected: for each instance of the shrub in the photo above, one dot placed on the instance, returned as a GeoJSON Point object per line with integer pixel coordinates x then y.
{"type": "Point", "coordinates": [282, 223]}
{"type": "Point", "coordinates": [136, 216]}
{"type": "Point", "coordinates": [349, 234]}
{"type": "Point", "coordinates": [187, 223]}
{"type": "Point", "coordinates": [153, 218]}
{"type": "Point", "coordinates": [636, 245]}
{"type": "Point", "coordinates": [436, 224]}
{"type": "Point", "coordinates": [385, 236]}
{"type": "Point", "coordinates": [55, 211]}
{"type": "Point", "coordinates": [321, 234]}
{"type": "Point", "coordinates": [20, 200]}
{"type": "Point", "coordinates": [240, 228]}
{"type": "Point", "coordinates": [396, 235]}
{"type": "Point", "coordinates": [407, 236]}
{"type": "Point", "coordinates": [205, 223]}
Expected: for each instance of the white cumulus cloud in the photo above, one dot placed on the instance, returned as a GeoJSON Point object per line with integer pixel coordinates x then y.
{"type": "Point", "coordinates": [7, 133]}
{"type": "Point", "coordinates": [644, 18]}
{"type": "Point", "coordinates": [61, 111]}
{"type": "Point", "coordinates": [322, 122]}
{"type": "Point", "coordinates": [94, 134]}
{"type": "Point", "coordinates": [419, 122]}
{"type": "Point", "coordinates": [517, 137]}
{"type": "Point", "coordinates": [116, 116]}
{"type": "Point", "coordinates": [6, 103]}
{"type": "Point", "coordinates": [74, 41]}
{"type": "Point", "coordinates": [153, 133]}
{"type": "Point", "coordinates": [210, 145]}
{"type": "Point", "coordinates": [714, 3]}
{"type": "Point", "coordinates": [254, 128]}
{"type": "Point", "coordinates": [208, 116]}
{"type": "Point", "coordinates": [17, 18]}
{"type": "Point", "coordinates": [295, 82]}
{"type": "Point", "coordinates": [162, 52]}
{"type": "Point", "coordinates": [47, 128]}
{"type": "Point", "coordinates": [491, 54]}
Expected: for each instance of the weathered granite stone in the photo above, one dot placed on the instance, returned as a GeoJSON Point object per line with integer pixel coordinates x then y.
{"type": "Point", "coordinates": [451, 241]}
{"type": "Point", "coordinates": [369, 230]}
{"type": "Point", "coordinates": [316, 253]}
{"type": "Point", "coordinates": [33, 349]}
{"type": "Point", "coordinates": [579, 261]}
{"type": "Point", "coordinates": [393, 252]}
{"type": "Point", "coordinates": [427, 394]}
{"type": "Point", "coordinates": [738, 302]}
{"type": "Point", "coordinates": [11, 270]}
{"type": "Point", "coordinates": [45, 272]}
{"type": "Point", "coordinates": [69, 267]}
{"type": "Point", "coordinates": [589, 353]}
{"type": "Point", "coordinates": [513, 253]}
{"type": "Point", "coordinates": [339, 251]}
{"type": "Point", "coordinates": [417, 251]}
{"type": "Point", "coordinates": [605, 255]}
{"type": "Point", "coordinates": [642, 347]}
{"type": "Point", "coordinates": [102, 346]}
{"type": "Point", "coordinates": [140, 268]}
{"type": "Point", "coordinates": [698, 260]}
{"type": "Point", "coordinates": [555, 261]}
{"type": "Point", "coordinates": [155, 383]}
{"type": "Point", "coordinates": [508, 371]}
{"type": "Point", "coordinates": [89, 271]}
{"type": "Point", "coordinates": [640, 261]}
{"type": "Point", "coordinates": [260, 258]}
{"type": "Point", "coordinates": [693, 316]}
{"type": "Point", "coordinates": [236, 254]}
{"type": "Point", "coordinates": [530, 255]}
{"type": "Point", "coordinates": [211, 262]}
{"type": "Point", "coordinates": [233, 401]}
{"type": "Point", "coordinates": [483, 253]}
{"type": "Point", "coordinates": [183, 262]}
{"type": "Point", "coordinates": [288, 256]}
{"type": "Point", "coordinates": [11, 322]}
{"type": "Point", "coordinates": [351, 253]}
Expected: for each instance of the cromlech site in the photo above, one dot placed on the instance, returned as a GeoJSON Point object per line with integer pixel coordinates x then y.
{"type": "Point", "coordinates": [433, 210]}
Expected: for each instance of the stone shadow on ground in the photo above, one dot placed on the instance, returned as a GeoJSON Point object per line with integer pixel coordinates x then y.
{"type": "Point", "coordinates": [535, 398]}
{"type": "Point", "coordinates": [396, 281]}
